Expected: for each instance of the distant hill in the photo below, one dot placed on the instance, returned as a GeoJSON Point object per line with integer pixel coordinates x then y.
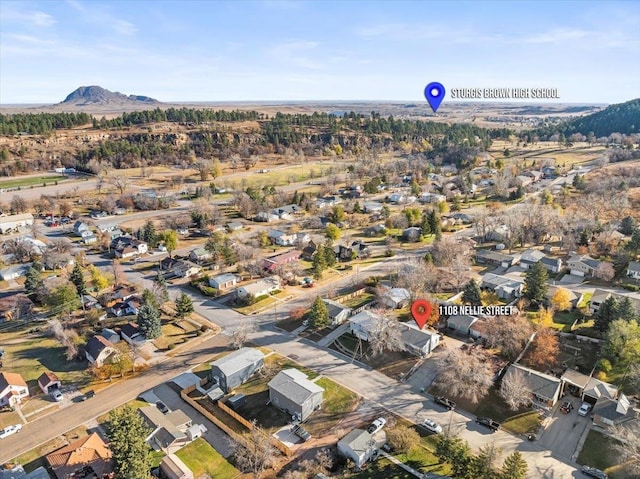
{"type": "Point", "coordinates": [96, 95]}
{"type": "Point", "coordinates": [620, 118]}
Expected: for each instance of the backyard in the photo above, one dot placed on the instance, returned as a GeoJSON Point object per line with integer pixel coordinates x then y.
{"type": "Point", "coordinates": [205, 461]}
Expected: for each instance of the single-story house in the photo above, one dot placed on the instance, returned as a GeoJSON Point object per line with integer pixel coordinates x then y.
{"type": "Point", "coordinates": [486, 256]}
{"type": "Point", "coordinates": [609, 412]}
{"type": "Point", "coordinates": [287, 212]}
{"type": "Point", "coordinates": [130, 332]}
{"type": "Point", "coordinates": [588, 388]}
{"type": "Point", "coordinates": [223, 282]}
{"type": "Point", "coordinates": [291, 391]}
{"type": "Point", "coordinates": [53, 261]}
{"type": "Point", "coordinates": [361, 249]}
{"type": "Point", "coordinates": [260, 287]}
{"type": "Point", "coordinates": [530, 257]}
{"type": "Point", "coordinates": [125, 308]}
{"type": "Point", "coordinates": [272, 263]}
{"type": "Point", "coordinates": [13, 389]}
{"type": "Point", "coordinates": [15, 306]}
{"type": "Point", "coordinates": [234, 226]}
{"type": "Point", "coordinates": [478, 330]}
{"type": "Point", "coordinates": [281, 238]}
{"type": "Point", "coordinates": [395, 298]}
{"type": "Point", "coordinates": [416, 341]}
{"type": "Point", "coordinates": [179, 268]}
{"type": "Point", "coordinates": [110, 335]}
{"type": "Point", "coordinates": [12, 222]}
{"type": "Point", "coordinates": [544, 389]}
{"type": "Point", "coordinates": [599, 296]}
{"type": "Point", "coordinates": [48, 381]}
{"type": "Point", "coordinates": [553, 265]}
{"type": "Point", "coordinates": [88, 453]}
{"type": "Point", "coordinates": [461, 323]}
{"type": "Point", "coordinates": [89, 239]}
{"type": "Point", "coordinates": [338, 313]}
{"type": "Point", "coordinates": [633, 270]}
{"type": "Point", "coordinates": [505, 287]}
{"type": "Point", "coordinates": [199, 255]}
{"type": "Point", "coordinates": [582, 265]}
{"type": "Point", "coordinates": [266, 217]}
{"type": "Point", "coordinates": [123, 293]}
{"type": "Point", "coordinates": [14, 272]}
{"type": "Point", "coordinates": [372, 207]}
{"type": "Point", "coordinates": [328, 201]}
{"type": "Point", "coordinates": [573, 297]}
{"type": "Point", "coordinates": [127, 247]}
{"type": "Point", "coordinates": [16, 471]}
{"type": "Point", "coordinates": [431, 198]}
{"type": "Point", "coordinates": [168, 431]}
{"type": "Point", "coordinates": [99, 351]}
{"type": "Point", "coordinates": [413, 233]}
{"type": "Point", "coordinates": [308, 251]}
{"type": "Point", "coordinates": [172, 467]}
{"type": "Point", "coordinates": [236, 368]}
{"type": "Point", "coordinates": [360, 446]}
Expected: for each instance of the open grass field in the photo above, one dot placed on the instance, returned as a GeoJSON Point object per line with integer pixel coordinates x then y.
{"type": "Point", "coordinates": [205, 461]}
{"type": "Point", "coordinates": [30, 181]}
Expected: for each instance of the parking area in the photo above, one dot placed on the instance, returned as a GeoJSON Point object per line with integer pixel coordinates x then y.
{"type": "Point", "coordinates": [214, 436]}
{"type": "Point", "coordinates": [564, 432]}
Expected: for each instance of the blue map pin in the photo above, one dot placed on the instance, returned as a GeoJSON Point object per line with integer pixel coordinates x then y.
{"type": "Point", "coordinates": [434, 93]}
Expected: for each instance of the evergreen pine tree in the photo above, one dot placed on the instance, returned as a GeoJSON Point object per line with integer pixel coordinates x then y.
{"type": "Point", "coordinates": [149, 321]}
{"type": "Point", "coordinates": [471, 294]}
{"type": "Point", "coordinates": [319, 315]}
{"type": "Point", "coordinates": [536, 287]}
{"type": "Point", "coordinates": [584, 238]}
{"type": "Point", "coordinates": [77, 278]}
{"type": "Point", "coordinates": [184, 305]}
{"type": "Point", "coordinates": [434, 223]}
{"type": "Point", "coordinates": [329, 254]}
{"type": "Point", "coordinates": [514, 467]}
{"type": "Point", "coordinates": [162, 284]}
{"type": "Point", "coordinates": [425, 225]}
{"type": "Point", "coordinates": [319, 263]}
{"type": "Point", "coordinates": [33, 281]}
{"type": "Point", "coordinates": [606, 313]}
{"type": "Point", "coordinates": [625, 310]}
{"type": "Point", "coordinates": [127, 432]}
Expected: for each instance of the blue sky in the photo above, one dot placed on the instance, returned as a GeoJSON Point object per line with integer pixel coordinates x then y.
{"type": "Point", "coordinates": [301, 50]}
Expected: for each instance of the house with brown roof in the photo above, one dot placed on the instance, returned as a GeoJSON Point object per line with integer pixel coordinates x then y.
{"type": "Point", "coordinates": [86, 457]}
{"type": "Point", "coordinates": [13, 389]}
{"type": "Point", "coordinates": [100, 351]}
{"type": "Point", "coordinates": [272, 263]}
{"type": "Point", "coordinates": [48, 381]}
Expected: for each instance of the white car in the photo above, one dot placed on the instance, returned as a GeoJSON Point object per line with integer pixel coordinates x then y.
{"type": "Point", "coordinates": [7, 431]}
{"type": "Point", "coordinates": [584, 409]}
{"type": "Point", "coordinates": [376, 425]}
{"type": "Point", "coordinates": [57, 395]}
{"type": "Point", "coordinates": [432, 426]}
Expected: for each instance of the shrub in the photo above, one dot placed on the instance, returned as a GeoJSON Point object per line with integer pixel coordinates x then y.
{"type": "Point", "coordinates": [172, 346]}
{"type": "Point", "coordinates": [631, 287]}
{"type": "Point", "coordinates": [203, 328]}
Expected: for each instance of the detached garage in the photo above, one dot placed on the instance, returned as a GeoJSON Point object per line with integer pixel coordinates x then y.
{"type": "Point", "coordinates": [11, 222]}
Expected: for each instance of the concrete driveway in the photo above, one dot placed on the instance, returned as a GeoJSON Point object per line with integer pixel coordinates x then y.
{"type": "Point", "coordinates": [564, 432]}
{"type": "Point", "coordinates": [214, 435]}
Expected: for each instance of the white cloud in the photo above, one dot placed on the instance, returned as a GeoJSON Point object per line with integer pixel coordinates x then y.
{"type": "Point", "coordinates": [30, 18]}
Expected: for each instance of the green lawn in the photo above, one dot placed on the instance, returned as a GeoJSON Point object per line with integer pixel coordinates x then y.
{"type": "Point", "coordinates": [36, 180]}
{"type": "Point", "coordinates": [203, 460]}
{"type": "Point", "coordinates": [599, 451]}
{"type": "Point", "coordinates": [338, 401]}
{"type": "Point", "coordinates": [527, 422]}
{"type": "Point", "coordinates": [358, 301]}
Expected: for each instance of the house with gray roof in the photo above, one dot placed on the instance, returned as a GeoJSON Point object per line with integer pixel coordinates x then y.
{"type": "Point", "coordinates": [461, 323]}
{"type": "Point", "coordinates": [544, 389]}
{"type": "Point", "coordinates": [236, 368]}
{"type": "Point", "coordinates": [223, 281]}
{"type": "Point", "coordinates": [338, 313]}
{"type": "Point", "coordinates": [291, 391]}
{"type": "Point", "coordinates": [614, 412]}
{"type": "Point", "coordinates": [633, 270]}
{"type": "Point", "coordinates": [582, 265]}
{"type": "Point", "coordinates": [505, 287]}
{"type": "Point", "coordinates": [530, 257]}
{"type": "Point", "coordinates": [360, 446]}
{"type": "Point", "coordinates": [553, 265]}
{"type": "Point", "coordinates": [487, 256]}
{"type": "Point", "coordinates": [168, 431]}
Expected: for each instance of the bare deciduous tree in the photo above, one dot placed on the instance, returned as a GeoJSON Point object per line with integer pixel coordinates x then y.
{"type": "Point", "coordinates": [66, 337]}
{"type": "Point", "coordinates": [465, 374]}
{"type": "Point", "coordinates": [628, 448]}
{"type": "Point", "coordinates": [605, 271]}
{"type": "Point", "coordinates": [385, 335]}
{"type": "Point", "coordinates": [118, 180]}
{"type": "Point", "coordinates": [514, 389]}
{"type": "Point", "coordinates": [508, 333]}
{"type": "Point", "coordinates": [253, 452]}
{"type": "Point", "coordinates": [240, 334]}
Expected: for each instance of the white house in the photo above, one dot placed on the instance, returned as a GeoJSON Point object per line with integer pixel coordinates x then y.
{"type": "Point", "coordinates": [99, 351]}
{"type": "Point", "coordinates": [360, 446]}
{"type": "Point", "coordinates": [11, 222]}
{"type": "Point", "coordinates": [291, 391]}
{"type": "Point", "coordinates": [223, 281]}
{"type": "Point", "coordinates": [396, 298]}
{"type": "Point", "coordinates": [633, 270]}
{"type": "Point", "coordinates": [260, 287]}
{"type": "Point", "coordinates": [338, 313]}
{"type": "Point", "coordinates": [13, 389]}
{"type": "Point", "coordinates": [281, 238]}
{"type": "Point", "coordinates": [582, 265]}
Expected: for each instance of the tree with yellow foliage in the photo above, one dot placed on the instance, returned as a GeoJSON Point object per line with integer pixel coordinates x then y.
{"type": "Point", "coordinates": [561, 300]}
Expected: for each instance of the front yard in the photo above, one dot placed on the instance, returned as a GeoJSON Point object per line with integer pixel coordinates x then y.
{"type": "Point", "coordinates": [599, 451]}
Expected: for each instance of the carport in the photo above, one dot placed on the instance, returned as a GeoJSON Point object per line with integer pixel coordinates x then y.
{"type": "Point", "coordinates": [574, 382]}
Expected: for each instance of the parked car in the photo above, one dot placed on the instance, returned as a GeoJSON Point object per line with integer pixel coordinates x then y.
{"type": "Point", "coordinates": [566, 407]}
{"type": "Point", "coordinates": [163, 407]}
{"type": "Point", "coordinates": [9, 430]}
{"type": "Point", "coordinates": [593, 472]}
{"type": "Point", "coordinates": [490, 423]}
{"type": "Point", "coordinates": [432, 426]}
{"type": "Point", "coordinates": [56, 394]}
{"type": "Point", "coordinates": [443, 401]}
{"type": "Point", "coordinates": [376, 425]}
{"type": "Point", "coordinates": [584, 409]}
{"type": "Point", "coordinates": [88, 395]}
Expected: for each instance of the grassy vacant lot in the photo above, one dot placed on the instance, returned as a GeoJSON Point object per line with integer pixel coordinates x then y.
{"type": "Point", "coordinates": [33, 181]}
{"type": "Point", "coordinates": [174, 333]}
{"type": "Point", "coordinates": [338, 402]}
{"type": "Point", "coordinates": [394, 364]}
{"type": "Point", "coordinates": [32, 354]}
{"type": "Point", "coordinates": [205, 461]}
